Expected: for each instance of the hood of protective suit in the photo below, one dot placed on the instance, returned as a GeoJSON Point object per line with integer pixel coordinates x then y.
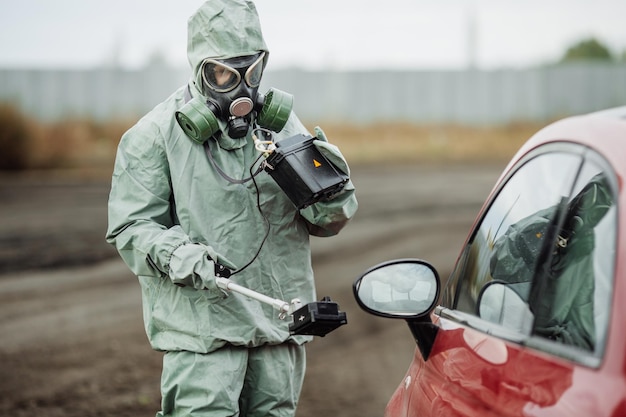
{"type": "Point", "coordinates": [223, 29]}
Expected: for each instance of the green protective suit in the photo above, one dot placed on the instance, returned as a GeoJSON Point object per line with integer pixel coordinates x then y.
{"type": "Point", "coordinates": [172, 214]}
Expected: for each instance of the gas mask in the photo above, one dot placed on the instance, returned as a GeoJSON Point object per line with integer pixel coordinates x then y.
{"type": "Point", "coordinates": [592, 203]}
{"type": "Point", "coordinates": [230, 89]}
{"type": "Point", "coordinates": [587, 209]}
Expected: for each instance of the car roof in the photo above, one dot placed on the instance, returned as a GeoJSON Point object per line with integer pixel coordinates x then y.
{"type": "Point", "coordinates": [603, 131]}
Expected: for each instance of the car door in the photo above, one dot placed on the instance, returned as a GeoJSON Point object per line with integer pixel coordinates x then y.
{"type": "Point", "coordinates": [524, 316]}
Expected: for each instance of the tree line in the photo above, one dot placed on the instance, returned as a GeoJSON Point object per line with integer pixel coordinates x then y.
{"type": "Point", "coordinates": [592, 49]}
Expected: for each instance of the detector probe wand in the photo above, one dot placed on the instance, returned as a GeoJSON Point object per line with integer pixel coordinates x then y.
{"type": "Point", "coordinates": [283, 307]}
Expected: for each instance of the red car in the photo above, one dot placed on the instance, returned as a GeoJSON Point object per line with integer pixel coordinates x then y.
{"type": "Point", "coordinates": [532, 321]}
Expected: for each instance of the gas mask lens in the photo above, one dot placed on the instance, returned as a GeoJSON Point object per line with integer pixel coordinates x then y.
{"type": "Point", "coordinates": [596, 202]}
{"type": "Point", "coordinates": [225, 75]}
{"type": "Point", "coordinates": [254, 72]}
{"type": "Point", "coordinates": [219, 77]}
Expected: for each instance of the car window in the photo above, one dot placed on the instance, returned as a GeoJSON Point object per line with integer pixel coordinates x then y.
{"type": "Point", "coordinates": [541, 261]}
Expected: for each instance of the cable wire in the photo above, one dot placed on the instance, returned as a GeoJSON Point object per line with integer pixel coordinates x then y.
{"type": "Point", "coordinates": [265, 219]}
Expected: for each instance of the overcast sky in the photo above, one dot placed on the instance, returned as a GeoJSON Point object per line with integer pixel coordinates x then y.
{"type": "Point", "coordinates": [316, 34]}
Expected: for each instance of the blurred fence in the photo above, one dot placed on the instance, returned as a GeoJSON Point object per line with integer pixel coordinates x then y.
{"type": "Point", "coordinates": [463, 96]}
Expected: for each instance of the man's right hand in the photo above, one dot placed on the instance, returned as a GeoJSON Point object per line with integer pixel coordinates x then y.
{"type": "Point", "coordinates": [197, 265]}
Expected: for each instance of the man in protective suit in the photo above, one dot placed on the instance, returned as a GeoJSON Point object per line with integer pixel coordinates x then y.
{"type": "Point", "coordinates": [178, 207]}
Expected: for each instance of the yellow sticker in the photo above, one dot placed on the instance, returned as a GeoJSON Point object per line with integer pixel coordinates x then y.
{"type": "Point", "coordinates": [317, 164]}
{"type": "Point", "coordinates": [539, 235]}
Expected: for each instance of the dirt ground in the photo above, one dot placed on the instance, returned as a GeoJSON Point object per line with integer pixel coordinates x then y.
{"type": "Point", "coordinates": [72, 342]}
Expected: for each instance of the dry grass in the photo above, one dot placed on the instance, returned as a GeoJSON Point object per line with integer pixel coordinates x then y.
{"type": "Point", "coordinates": [71, 144]}
{"type": "Point", "coordinates": [393, 142]}
{"type": "Point", "coordinates": [87, 145]}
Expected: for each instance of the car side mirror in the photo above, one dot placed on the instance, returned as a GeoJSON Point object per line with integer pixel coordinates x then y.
{"type": "Point", "coordinates": [406, 289]}
{"type": "Point", "coordinates": [402, 289]}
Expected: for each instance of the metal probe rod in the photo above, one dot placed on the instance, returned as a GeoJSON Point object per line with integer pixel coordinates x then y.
{"type": "Point", "coordinates": [227, 284]}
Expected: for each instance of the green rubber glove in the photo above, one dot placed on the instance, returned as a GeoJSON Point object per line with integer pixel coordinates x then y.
{"type": "Point", "coordinates": [330, 151]}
